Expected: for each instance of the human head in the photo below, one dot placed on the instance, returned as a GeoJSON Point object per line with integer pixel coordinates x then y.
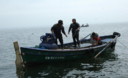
{"type": "Point", "coordinates": [60, 22]}
{"type": "Point", "coordinates": [74, 20]}
{"type": "Point", "coordinates": [94, 34]}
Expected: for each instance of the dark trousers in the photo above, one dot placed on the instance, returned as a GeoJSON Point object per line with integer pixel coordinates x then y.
{"type": "Point", "coordinates": [60, 40]}
{"type": "Point", "coordinates": [76, 39]}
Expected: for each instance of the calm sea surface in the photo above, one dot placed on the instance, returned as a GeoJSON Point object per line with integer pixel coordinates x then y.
{"type": "Point", "coordinates": [115, 65]}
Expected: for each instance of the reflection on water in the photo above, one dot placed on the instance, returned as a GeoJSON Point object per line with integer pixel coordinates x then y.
{"type": "Point", "coordinates": [74, 69]}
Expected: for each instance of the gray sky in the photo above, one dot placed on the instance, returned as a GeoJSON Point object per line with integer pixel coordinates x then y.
{"type": "Point", "coordinates": [39, 13]}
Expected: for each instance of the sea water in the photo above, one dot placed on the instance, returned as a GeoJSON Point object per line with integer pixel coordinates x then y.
{"type": "Point", "coordinates": [114, 65]}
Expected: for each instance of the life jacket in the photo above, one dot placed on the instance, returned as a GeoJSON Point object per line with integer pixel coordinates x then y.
{"type": "Point", "coordinates": [97, 38]}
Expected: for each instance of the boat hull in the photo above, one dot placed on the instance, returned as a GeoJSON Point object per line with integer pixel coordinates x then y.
{"type": "Point", "coordinates": [38, 55]}
{"type": "Point", "coordinates": [32, 55]}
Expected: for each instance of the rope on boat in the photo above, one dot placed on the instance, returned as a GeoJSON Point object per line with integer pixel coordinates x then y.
{"type": "Point", "coordinates": [106, 46]}
{"type": "Point", "coordinates": [122, 44]}
{"type": "Point", "coordinates": [85, 37]}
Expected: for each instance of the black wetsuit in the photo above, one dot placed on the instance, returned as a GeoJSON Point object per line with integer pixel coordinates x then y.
{"type": "Point", "coordinates": [75, 33]}
{"type": "Point", "coordinates": [57, 29]}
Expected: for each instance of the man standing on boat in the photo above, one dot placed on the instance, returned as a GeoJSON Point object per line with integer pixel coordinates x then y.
{"type": "Point", "coordinates": [75, 27]}
{"type": "Point", "coordinates": [57, 29]}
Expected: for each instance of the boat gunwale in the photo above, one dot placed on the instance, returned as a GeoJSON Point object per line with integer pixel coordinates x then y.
{"type": "Point", "coordinates": [67, 50]}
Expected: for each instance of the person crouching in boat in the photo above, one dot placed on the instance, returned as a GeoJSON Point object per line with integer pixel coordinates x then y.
{"type": "Point", "coordinates": [57, 29]}
{"type": "Point", "coordinates": [95, 39]}
{"type": "Point", "coordinates": [48, 41]}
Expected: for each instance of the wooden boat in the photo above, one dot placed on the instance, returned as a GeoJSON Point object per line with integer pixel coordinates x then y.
{"type": "Point", "coordinates": [85, 25]}
{"type": "Point", "coordinates": [38, 55]}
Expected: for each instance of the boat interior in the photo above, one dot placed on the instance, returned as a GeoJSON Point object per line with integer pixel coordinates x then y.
{"type": "Point", "coordinates": [85, 43]}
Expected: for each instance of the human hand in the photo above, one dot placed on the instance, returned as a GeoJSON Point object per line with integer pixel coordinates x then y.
{"type": "Point", "coordinates": [66, 35]}
{"type": "Point", "coordinates": [77, 29]}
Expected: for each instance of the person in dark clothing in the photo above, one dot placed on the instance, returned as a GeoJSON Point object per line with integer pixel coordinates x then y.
{"type": "Point", "coordinates": [75, 27]}
{"type": "Point", "coordinates": [57, 29]}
